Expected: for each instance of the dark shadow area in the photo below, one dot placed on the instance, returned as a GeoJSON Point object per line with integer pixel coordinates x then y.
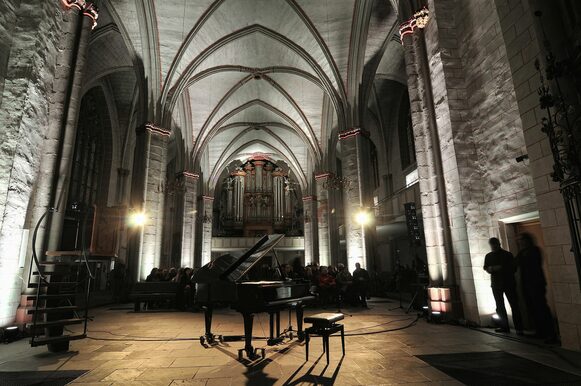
{"type": "Point", "coordinates": [52, 378]}
{"type": "Point", "coordinates": [314, 379]}
{"type": "Point", "coordinates": [498, 368]}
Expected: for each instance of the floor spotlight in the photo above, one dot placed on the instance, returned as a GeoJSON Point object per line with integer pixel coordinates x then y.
{"type": "Point", "coordinates": [436, 317]}
{"type": "Point", "coordinates": [496, 320]}
{"type": "Point", "coordinates": [10, 334]}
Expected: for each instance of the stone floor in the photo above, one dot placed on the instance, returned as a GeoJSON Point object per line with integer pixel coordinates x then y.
{"type": "Point", "coordinates": [383, 347]}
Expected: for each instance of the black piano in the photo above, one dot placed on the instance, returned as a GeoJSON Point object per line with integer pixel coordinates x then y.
{"type": "Point", "coordinates": [250, 287]}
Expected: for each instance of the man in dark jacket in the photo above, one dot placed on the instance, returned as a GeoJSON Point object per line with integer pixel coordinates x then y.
{"type": "Point", "coordinates": [501, 266]}
{"type": "Point", "coordinates": [361, 283]}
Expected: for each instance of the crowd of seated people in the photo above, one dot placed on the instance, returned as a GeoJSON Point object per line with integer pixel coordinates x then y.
{"type": "Point", "coordinates": [185, 287]}
{"type": "Point", "coordinates": [335, 285]}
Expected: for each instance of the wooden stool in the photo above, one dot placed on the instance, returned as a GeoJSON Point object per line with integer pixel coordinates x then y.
{"type": "Point", "coordinates": [324, 325]}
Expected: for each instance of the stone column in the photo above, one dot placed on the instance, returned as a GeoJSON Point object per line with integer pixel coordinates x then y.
{"type": "Point", "coordinates": [206, 218]}
{"type": "Point", "coordinates": [149, 171]}
{"type": "Point", "coordinates": [190, 198]}
{"type": "Point", "coordinates": [310, 229]}
{"type": "Point", "coordinates": [356, 167]}
{"type": "Point", "coordinates": [431, 125]}
{"type": "Point", "coordinates": [44, 67]}
{"type": "Point", "coordinates": [323, 218]}
{"type": "Point", "coordinates": [432, 185]}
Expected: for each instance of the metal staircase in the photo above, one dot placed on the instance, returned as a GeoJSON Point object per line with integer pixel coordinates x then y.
{"type": "Point", "coordinates": [62, 282]}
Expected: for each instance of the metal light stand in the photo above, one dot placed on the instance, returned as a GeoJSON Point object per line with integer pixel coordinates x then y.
{"type": "Point", "coordinates": [563, 127]}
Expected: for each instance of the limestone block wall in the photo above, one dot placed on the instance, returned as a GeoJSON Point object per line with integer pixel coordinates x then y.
{"type": "Point", "coordinates": [28, 66]}
{"type": "Point", "coordinates": [7, 15]}
{"type": "Point", "coordinates": [480, 135]}
{"type": "Point", "coordinates": [523, 41]}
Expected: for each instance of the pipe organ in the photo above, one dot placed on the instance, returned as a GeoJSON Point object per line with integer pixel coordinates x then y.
{"type": "Point", "coordinates": [258, 198]}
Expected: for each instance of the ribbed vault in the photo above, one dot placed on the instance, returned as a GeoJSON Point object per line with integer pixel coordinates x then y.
{"type": "Point", "coordinates": [243, 76]}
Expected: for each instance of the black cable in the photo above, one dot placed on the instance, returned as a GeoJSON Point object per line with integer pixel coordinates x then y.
{"type": "Point", "coordinates": [129, 338]}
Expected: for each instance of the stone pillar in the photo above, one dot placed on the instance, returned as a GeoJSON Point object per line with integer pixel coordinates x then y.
{"type": "Point", "coordinates": [310, 229]}
{"type": "Point", "coordinates": [323, 218]}
{"type": "Point", "coordinates": [190, 198]}
{"type": "Point", "coordinates": [433, 197]}
{"type": "Point", "coordinates": [149, 171]}
{"type": "Point", "coordinates": [206, 217]}
{"type": "Point", "coordinates": [356, 167]}
{"type": "Point", "coordinates": [43, 73]}
{"type": "Point", "coordinates": [429, 127]}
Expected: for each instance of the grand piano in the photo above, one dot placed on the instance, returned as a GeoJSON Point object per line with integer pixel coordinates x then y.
{"type": "Point", "coordinates": [250, 285]}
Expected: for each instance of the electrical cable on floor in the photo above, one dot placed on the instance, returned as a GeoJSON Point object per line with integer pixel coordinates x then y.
{"type": "Point", "coordinates": [129, 338]}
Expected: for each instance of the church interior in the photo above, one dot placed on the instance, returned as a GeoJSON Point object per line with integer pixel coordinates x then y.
{"type": "Point", "coordinates": [290, 192]}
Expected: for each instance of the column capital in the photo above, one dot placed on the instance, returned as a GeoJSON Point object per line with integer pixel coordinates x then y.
{"type": "Point", "coordinates": [353, 132]}
{"type": "Point", "coordinates": [419, 20]}
{"type": "Point", "coordinates": [188, 174]}
{"type": "Point", "coordinates": [153, 129]}
{"type": "Point", "coordinates": [323, 176]}
{"type": "Point", "coordinates": [87, 8]}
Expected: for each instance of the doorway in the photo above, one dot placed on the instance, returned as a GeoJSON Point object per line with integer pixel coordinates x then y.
{"type": "Point", "coordinates": [512, 229]}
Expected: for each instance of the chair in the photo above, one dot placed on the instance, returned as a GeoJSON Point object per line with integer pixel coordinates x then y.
{"type": "Point", "coordinates": [324, 325]}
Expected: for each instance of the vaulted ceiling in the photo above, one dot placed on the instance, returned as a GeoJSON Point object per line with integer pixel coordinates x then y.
{"type": "Point", "coordinates": [236, 77]}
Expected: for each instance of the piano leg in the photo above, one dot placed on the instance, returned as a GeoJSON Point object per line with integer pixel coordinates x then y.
{"type": "Point", "coordinates": [277, 324]}
{"type": "Point", "coordinates": [248, 322]}
{"type": "Point", "coordinates": [208, 311]}
{"type": "Point", "coordinates": [299, 312]}
{"type": "Point", "coordinates": [271, 340]}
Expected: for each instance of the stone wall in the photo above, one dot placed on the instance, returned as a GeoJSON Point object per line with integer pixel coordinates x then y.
{"type": "Point", "coordinates": [24, 112]}
{"type": "Point", "coordinates": [7, 15]}
{"type": "Point", "coordinates": [523, 42]}
{"type": "Point", "coordinates": [470, 105]}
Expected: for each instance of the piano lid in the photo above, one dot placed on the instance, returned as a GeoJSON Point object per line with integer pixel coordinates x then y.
{"type": "Point", "coordinates": [242, 265]}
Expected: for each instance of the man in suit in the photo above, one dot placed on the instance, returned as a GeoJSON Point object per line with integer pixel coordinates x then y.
{"type": "Point", "coordinates": [501, 266]}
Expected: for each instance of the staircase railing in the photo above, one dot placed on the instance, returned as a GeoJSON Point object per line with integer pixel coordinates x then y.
{"type": "Point", "coordinates": [44, 282]}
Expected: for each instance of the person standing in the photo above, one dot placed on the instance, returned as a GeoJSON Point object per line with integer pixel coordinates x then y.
{"type": "Point", "coordinates": [534, 285]}
{"type": "Point", "coordinates": [361, 282]}
{"type": "Point", "coordinates": [344, 281]}
{"type": "Point", "coordinates": [501, 266]}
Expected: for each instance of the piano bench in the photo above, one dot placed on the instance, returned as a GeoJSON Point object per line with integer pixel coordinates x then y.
{"type": "Point", "coordinates": [324, 325]}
